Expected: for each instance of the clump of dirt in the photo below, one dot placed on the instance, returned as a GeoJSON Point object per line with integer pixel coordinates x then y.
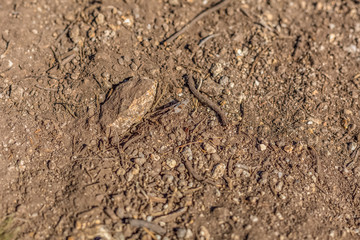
{"type": "Point", "coordinates": [271, 153]}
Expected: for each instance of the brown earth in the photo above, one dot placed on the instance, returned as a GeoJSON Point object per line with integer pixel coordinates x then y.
{"type": "Point", "coordinates": [286, 165]}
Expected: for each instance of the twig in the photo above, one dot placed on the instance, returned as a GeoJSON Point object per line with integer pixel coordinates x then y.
{"type": "Point", "coordinates": [214, 8]}
{"type": "Point", "coordinates": [192, 171]}
{"type": "Point", "coordinates": [57, 58]}
{"type": "Point", "coordinates": [145, 224]}
{"type": "Point", "coordinates": [6, 47]}
{"type": "Point", "coordinates": [172, 216]}
{"type": "Point", "coordinates": [152, 235]}
{"type": "Point", "coordinates": [68, 59]}
{"type": "Point", "coordinates": [64, 32]}
{"type": "Point", "coordinates": [45, 88]}
{"type": "Point", "coordinates": [195, 175]}
{"type": "Point", "coordinates": [131, 140]}
{"type": "Point", "coordinates": [205, 39]}
{"type": "Point", "coordinates": [203, 99]}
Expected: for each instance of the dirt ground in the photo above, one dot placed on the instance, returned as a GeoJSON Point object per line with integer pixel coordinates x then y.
{"type": "Point", "coordinates": [284, 166]}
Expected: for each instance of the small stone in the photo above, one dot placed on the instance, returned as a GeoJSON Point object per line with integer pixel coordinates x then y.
{"type": "Point", "coordinates": [288, 148]}
{"type": "Point", "coordinates": [262, 147]}
{"type": "Point", "coordinates": [139, 161]}
{"type": "Point", "coordinates": [133, 66]}
{"type": "Point", "coordinates": [70, 16]}
{"type": "Point", "coordinates": [352, 146]}
{"type": "Point", "coordinates": [128, 21]}
{"type": "Point", "coordinates": [189, 234]}
{"type": "Point", "coordinates": [216, 141]}
{"type": "Point", "coordinates": [219, 171]}
{"type": "Point", "coordinates": [215, 157]}
{"type": "Point", "coordinates": [221, 214]}
{"type": "Point", "coordinates": [155, 157]}
{"type": "Point", "coordinates": [279, 186]}
{"type": "Point", "coordinates": [171, 163]}
{"type": "Point", "coordinates": [100, 18]}
{"type": "Point", "coordinates": [280, 216]}
{"type": "Point", "coordinates": [268, 15]}
{"type": "Point", "coordinates": [181, 168]}
{"type": "Point", "coordinates": [254, 219]}
{"type": "Point", "coordinates": [351, 49]}
{"type": "Point", "coordinates": [331, 37]}
{"type": "Point", "coordinates": [129, 176]}
{"type": "Point", "coordinates": [348, 112]}
{"type": "Point", "coordinates": [181, 233]}
{"type": "Point", "coordinates": [168, 178]}
{"type": "Point", "coordinates": [211, 88]}
{"type": "Point", "coordinates": [204, 233]}
{"type": "Point", "coordinates": [174, 2]}
{"type": "Point", "coordinates": [74, 34]}
{"type": "Point", "coordinates": [120, 172]}
{"type": "Point", "coordinates": [91, 33]}
{"type": "Point", "coordinates": [187, 153]}
{"type": "Point", "coordinates": [230, 11]}
{"type": "Point", "coordinates": [216, 69]}
{"type": "Point", "coordinates": [209, 148]}
{"type": "Point", "coordinates": [224, 81]}
{"type": "Point", "coordinates": [121, 61]}
{"type": "Point", "coordinates": [127, 105]}
{"type": "Point", "coordinates": [51, 165]}
{"type": "Point", "coordinates": [165, 27]}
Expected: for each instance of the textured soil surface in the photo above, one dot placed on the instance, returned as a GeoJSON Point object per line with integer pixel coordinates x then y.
{"type": "Point", "coordinates": [280, 160]}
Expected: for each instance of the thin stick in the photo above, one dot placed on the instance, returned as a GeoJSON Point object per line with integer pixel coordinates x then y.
{"type": "Point", "coordinates": [171, 216]}
{"type": "Point", "coordinates": [204, 40]}
{"type": "Point", "coordinates": [194, 20]}
{"type": "Point", "coordinates": [145, 224]}
{"type": "Point", "coordinates": [65, 31]}
{"type": "Point", "coordinates": [192, 171]}
{"type": "Point", "coordinates": [203, 99]}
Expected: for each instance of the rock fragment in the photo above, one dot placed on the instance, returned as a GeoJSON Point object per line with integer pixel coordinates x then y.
{"type": "Point", "coordinates": [219, 171]}
{"type": "Point", "coordinates": [209, 148]}
{"type": "Point", "coordinates": [127, 105]}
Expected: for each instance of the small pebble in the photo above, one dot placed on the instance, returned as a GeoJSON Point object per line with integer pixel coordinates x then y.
{"type": "Point", "coordinates": [181, 233]}
{"type": "Point", "coordinates": [121, 61]}
{"type": "Point", "coordinates": [215, 157]}
{"type": "Point", "coordinates": [352, 146]}
{"type": "Point", "coordinates": [171, 163]}
{"type": "Point", "coordinates": [129, 176]}
{"type": "Point", "coordinates": [174, 2]}
{"type": "Point", "coordinates": [224, 81]}
{"type": "Point", "coordinates": [254, 219]}
{"type": "Point", "coordinates": [139, 161]}
{"type": "Point", "coordinates": [219, 170]}
{"type": "Point", "coordinates": [133, 66]}
{"type": "Point", "coordinates": [181, 168]}
{"type": "Point", "coordinates": [279, 186]}
{"type": "Point", "coordinates": [216, 69]}
{"type": "Point", "coordinates": [189, 234]}
{"type": "Point", "coordinates": [69, 16]}
{"type": "Point", "coordinates": [209, 148]}
{"type": "Point", "coordinates": [168, 178]}
{"type": "Point", "coordinates": [262, 147]}
{"type": "Point", "coordinates": [154, 157]}
{"type": "Point", "coordinates": [230, 11]}
{"type": "Point", "coordinates": [100, 19]}
{"type": "Point", "coordinates": [288, 148]}
{"type": "Point", "coordinates": [187, 153]}
{"type": "Point", "coordinates": [204, 233]}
